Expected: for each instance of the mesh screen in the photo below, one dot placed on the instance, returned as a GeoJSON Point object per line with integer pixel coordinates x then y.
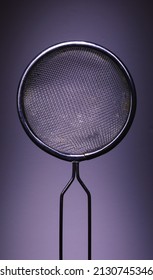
{"type": "Point", "coordinates": [76, 99]}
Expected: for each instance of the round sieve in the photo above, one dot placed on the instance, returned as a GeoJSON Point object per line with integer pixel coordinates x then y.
{"type": "Point", "coordinates": [76, 100]}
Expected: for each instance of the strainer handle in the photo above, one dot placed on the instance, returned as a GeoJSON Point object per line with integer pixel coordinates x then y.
{"type": "Point", "coordinates": [75, 173]}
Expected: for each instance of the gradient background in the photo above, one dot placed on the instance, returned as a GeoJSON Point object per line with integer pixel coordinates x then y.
{"type": "Point", "coordinates": [121, 181]}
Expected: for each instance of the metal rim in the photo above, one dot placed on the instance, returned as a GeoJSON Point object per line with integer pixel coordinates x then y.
{"type": "Point", "coordinates": [107, 147]}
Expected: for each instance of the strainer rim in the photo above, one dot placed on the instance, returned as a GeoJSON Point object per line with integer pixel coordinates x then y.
{"type": "Point", "coordinates": [89, 155]}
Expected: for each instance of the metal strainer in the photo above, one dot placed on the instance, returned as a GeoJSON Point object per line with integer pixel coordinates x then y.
{"type": "Point", "coordinates": [76, 101]}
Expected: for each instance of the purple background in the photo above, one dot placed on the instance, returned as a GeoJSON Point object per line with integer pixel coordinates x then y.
{"type": "Point", "coordinates": [120, 181]}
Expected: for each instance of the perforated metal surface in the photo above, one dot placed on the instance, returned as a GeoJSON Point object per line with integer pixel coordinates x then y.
{"type": "Point", "coordinates": [76, 99]}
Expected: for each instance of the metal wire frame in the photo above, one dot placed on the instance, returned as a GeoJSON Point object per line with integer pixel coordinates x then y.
{"type": "Point", "coordinates": [35, 138]}
{"type": "Point", "coordinates": [75, 174]}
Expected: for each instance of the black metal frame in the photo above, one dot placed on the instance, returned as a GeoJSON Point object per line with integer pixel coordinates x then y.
{"type": "Point", "coordinates": [75, 174]}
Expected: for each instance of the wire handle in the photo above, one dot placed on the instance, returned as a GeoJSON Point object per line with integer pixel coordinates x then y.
{"type": "Point", "coordinates": [75, 174]}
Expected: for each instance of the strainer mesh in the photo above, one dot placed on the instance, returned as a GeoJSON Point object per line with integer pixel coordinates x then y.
{"type": "Point", "coordinates": [76, 99]}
